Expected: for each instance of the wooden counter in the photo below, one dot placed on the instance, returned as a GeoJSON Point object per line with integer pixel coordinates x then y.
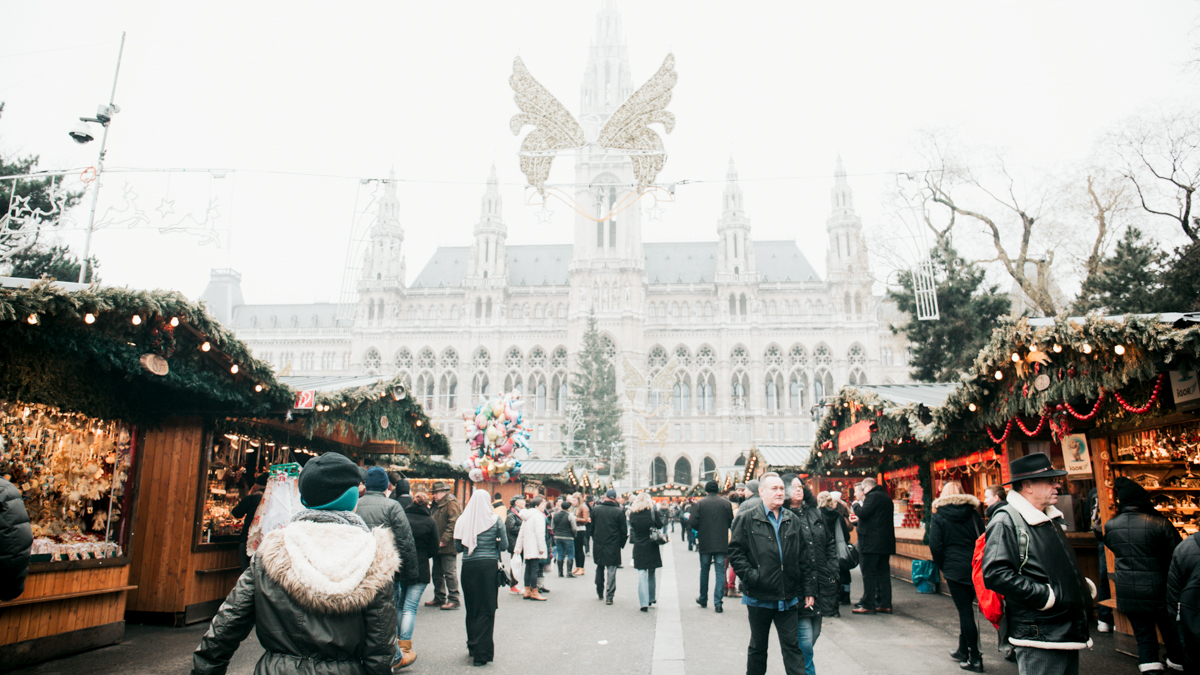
{"type": "Point", "coordinates": [67, 607]}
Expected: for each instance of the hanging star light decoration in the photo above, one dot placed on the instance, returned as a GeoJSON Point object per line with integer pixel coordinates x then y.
{"type": "Point", "coordinates": [655, 213]}
{"type": "Point", "coordinates": [166, 208]}
{"type": "Point", "coordinates": [544, 214]}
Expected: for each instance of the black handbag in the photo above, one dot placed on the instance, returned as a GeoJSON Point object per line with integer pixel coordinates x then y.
{"type": "Point", "coordinates": [501, 575]}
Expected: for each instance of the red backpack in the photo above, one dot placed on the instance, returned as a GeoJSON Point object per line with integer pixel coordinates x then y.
{"type": "Point", "coordinates": [991, 603]}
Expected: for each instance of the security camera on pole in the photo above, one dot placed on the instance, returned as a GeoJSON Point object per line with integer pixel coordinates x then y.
{"type": "Point", "coordinates": [82, 133]}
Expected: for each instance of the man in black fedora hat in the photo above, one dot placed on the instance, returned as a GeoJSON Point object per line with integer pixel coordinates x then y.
{"type": "Point", "coordinates": [1029, 561]}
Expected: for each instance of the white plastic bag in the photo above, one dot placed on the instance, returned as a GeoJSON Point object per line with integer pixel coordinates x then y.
{"type": "Point", "coordinates": [281, 501]}
{"type": "Point", "coordinates": [516, 567]}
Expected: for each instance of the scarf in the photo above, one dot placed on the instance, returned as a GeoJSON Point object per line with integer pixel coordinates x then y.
{"type": "Point", "coordinates": [476, 518]}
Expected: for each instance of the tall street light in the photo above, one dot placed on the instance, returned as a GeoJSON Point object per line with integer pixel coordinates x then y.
{"type": "Point", "coordinates": [82, 133]}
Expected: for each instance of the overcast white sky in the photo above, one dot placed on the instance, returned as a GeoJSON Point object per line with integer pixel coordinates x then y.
{"type": "Point", "coordinates": [349, 90]}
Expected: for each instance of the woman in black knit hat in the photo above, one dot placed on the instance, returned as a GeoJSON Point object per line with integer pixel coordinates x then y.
{"type": "Point", "coordinates": [325, 583]}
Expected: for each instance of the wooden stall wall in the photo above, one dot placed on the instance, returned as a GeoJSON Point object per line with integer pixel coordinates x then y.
{"type": "Point", "coordinates": [174, 582]}
{"type": "Point", "coordinates": [66, 607]}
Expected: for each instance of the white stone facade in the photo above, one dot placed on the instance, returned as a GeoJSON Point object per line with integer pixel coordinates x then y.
{"type": "Point", "coordinates": [758, 335]}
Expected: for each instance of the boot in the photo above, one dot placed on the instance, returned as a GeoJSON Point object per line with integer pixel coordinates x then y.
{"type": "Point", "coordinates": [408, 656]}
{"type": "Point", "coordinates": [560, 569]}
{"type": "Point", "coordinates": [974, 662]}
{"type": "Point", "coordinates": [528, 590]}
{"type": "Point", "coordinates": [536, 596]}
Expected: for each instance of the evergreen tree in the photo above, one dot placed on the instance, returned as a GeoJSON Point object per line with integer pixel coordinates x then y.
{"type": "Point", "coordinates": [1180, 280]}
{"type": "Point", "coordinates": [1130, 281]}
{"type": "Point", "coordinates": [969, 310]}
{"type": "Point", "coordinates": [35, 202]}
{"type": "Point", "coordinates": [594, 388]}
{"type": "Point", "coordinates": [55, 262]}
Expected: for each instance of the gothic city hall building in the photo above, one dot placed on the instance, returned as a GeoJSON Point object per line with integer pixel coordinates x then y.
{"type": "Point", "coordinates": [758, 337]}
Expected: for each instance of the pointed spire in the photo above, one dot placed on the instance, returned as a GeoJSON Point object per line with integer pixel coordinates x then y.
{"type": "Point", "coordinates": [489, 211]}
{"type": "Point", "coordinates": [733, 191]}
{"type": "Point", "coordinates": [841, 196]}
{"type": "Point", "coordinates": [492, 180]}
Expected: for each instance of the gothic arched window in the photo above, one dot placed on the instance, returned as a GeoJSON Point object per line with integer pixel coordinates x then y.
{"type": "Point", "coordinates": [371, 360]}
{"type": "Point", "coordinates": [683, 471]}
{"type": "Point", "coordinates": [658, 471]}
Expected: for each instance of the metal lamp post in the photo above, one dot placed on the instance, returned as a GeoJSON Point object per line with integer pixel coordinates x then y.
{"type": "Point", "coordinates": [103, 117]}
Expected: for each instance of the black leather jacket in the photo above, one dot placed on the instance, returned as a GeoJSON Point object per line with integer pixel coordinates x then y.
{"type": "Point", "coordinates": [1142, 544]}
{"type": "Point", "coordinates": [16, 538]}
{"type": "Point", "coordinates": [754, 556]}
{"type": "Point", "coordinates": [1051, 568]}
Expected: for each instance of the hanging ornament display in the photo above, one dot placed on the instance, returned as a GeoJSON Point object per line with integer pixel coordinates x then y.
{"type": "Point", "coordinates": [494, 434]}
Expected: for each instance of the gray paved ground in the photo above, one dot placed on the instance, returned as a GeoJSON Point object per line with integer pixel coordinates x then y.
{"type": "Point", "coordinates": [575, 632]}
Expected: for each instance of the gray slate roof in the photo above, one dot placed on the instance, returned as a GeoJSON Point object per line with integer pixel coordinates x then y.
{"type": "Point", "coordinates": [309, 315]}
{"type": "Point", "coordinates": [528, 265]}
{"type": "Point", "coordinates": [784, 455]}
{"type": "Point", "coordinates": [666, 263]}
{"type": "Point", "coordinates": [931, 395]}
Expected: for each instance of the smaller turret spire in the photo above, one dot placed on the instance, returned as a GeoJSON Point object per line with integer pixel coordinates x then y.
{"type": "Point", "coordinates": [841, 196]}
{"type": "Point", "coordinates": [733, 191]}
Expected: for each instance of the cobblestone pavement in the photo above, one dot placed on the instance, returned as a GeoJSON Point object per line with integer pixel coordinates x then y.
{"type": "Point", "coordinates": [575, 632]}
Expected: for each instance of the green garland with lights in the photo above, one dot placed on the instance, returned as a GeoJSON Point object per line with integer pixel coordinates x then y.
{"type": "Point", "coordinates": [80, 350]}
{"type": "Point", "coordinates": [362, 410]}
{"type": "Point", "coordinates": [1087, 360]}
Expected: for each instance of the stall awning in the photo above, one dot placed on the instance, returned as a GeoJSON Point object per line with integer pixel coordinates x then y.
{"type": "Point", "coordinates": [552, 466]}
{"type": "Point", "coordinates": [783, 455]}
{"type": "Point", "coordinates": [928, 395]}
{"type": "Point", "coordinates": [329, 382]}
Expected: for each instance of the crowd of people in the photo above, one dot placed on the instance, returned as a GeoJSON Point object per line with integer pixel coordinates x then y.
{"type": "Point", "coordinates": [341, 585]}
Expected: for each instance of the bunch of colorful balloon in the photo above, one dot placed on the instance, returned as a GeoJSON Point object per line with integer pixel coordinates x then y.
{"type": "Point", "coordinates": [494, 434]}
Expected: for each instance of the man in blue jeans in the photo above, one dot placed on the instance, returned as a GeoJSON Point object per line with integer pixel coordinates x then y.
{"type": "Point", "coordinates": [710, 519]}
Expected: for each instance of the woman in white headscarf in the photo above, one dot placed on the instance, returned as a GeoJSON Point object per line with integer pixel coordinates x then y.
{"type": "Point", "coordinates": [480, 536]}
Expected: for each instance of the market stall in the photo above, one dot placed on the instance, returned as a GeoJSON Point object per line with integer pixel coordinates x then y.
{"type": "Point", "coordinates": [132, 423]}
{"type": "Point", "coordinates": [215, 461]}
{"type": "Point", "coordinates": [779, 458]}
{"type": "Point", "coordinates": [98, 383]}
{"type": "Point", "coordinates": [552, 476]}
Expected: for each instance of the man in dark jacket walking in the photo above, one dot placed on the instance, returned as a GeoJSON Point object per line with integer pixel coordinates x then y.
{"type": "Point", "coordinates": [609, 536]}
{"type": "Point", "coordinates": [711, 518]}
{"type": "Point", "coordinates": [16, 540]}
{"type": "Point", "coordinates": [1029, 561]}
{"type": "Point", "coordinates": [767, 552]}
{"type": "Point", "coordinates": [876, 546]}
{"type": "Point", "coordinates": [446, 511]}
{"type": "Point", "coordinates": [1142, 541]}
{"type": "Point", "coordinates": [377, 510]}
{"type": "Point", "coordinates": [1183, 600]}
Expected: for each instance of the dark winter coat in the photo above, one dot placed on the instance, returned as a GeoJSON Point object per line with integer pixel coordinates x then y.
{"type": "Point", "coordinates": [330, 613]}
{"type": "Point", "coordinates": [992, 509]}
{"type": "Point", "coordinates": [1142, 543]}
{"type": "Point", "coordinates": [445, 514]}
{"type": "Point", "coordinates": [822, 559]}
{"type": "Point", "coordinates": [754, 556]}
{"type": "Point", "coordinates": [876, 527]}
{"type": "Point", "coordinates": [609, 534]}
{"type": "Point", "coordinates": [711, 518]}
{"type": "Point", "coordinates": [1051, 573]}
{"type": "Point", "coordinates": [425, 536]}
{"type": "Point", "coordinates": [377, 510]}
{"type": "Point", "coordinates": [1183, 593]}
{"type": "Point", "coordinates": [16, 540]}
{"type": "Point", "coordinates": [512, 527]}
{"type": "Point", "coordinates": [953, 529]}
{"type": "Point", "coordinates": [645, 552]}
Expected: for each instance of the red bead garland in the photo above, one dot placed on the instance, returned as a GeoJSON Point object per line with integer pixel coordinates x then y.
{"type": "Point", "coordinates": [1149, 404]}
{"type": "Point", "coordinates": [1035, 432]}
{"type": "Point", "coordinates": [999, 441]}
{"type": "Point", "coordinates": [1095, 409]}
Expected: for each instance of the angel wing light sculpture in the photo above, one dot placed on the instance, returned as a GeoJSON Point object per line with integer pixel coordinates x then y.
{"type": "Point", "coordinates": [627, 130]}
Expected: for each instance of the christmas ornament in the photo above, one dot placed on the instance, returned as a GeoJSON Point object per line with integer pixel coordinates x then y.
{"type": "Point", "coordinates": [154, 364]}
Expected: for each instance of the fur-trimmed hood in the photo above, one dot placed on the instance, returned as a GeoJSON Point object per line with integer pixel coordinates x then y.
{"type": "Point", "coordinates": [968, 500]}
{"type": "Point", "coordinates": [330, 568]}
